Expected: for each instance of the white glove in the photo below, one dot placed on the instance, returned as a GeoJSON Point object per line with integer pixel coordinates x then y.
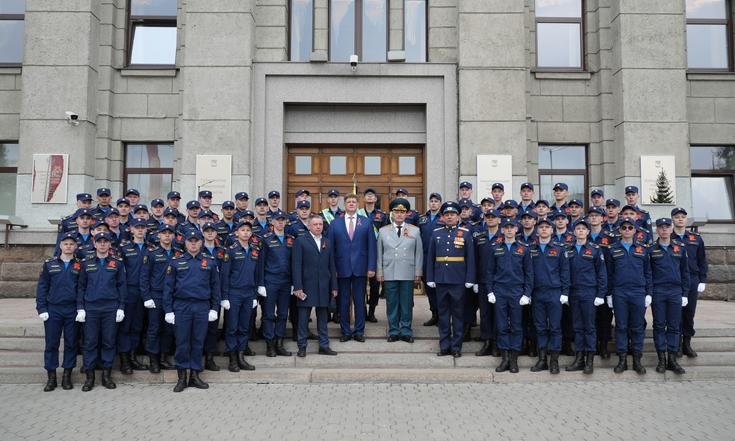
{"type": "Point", "coordinates": [150, 304]}
{"type": "Point", "coordinates": [609, 302]}
{"type": "Point", "coordinates": [684, 301]}
{"type": "Point", "coordinates": [525, 300]}
{"type": "Point", "coordinates": [476, 288]}
{"type": "Point", "coordinates": [212, 315]}
{"type": "Point", "coordinates": [225, 304]}
{"type": "Point", "coordinates": [648, 301]}
{"type": "Point", "coordinates": [599, 301]}
{"type": "Point", "coordinates": [700, 287]}
{"type": "Point", "coordinates": [261, 291]}
{"type": "Point", "coordinates": [170, 318]}
{"type": "Point", "coordinates": [491, 297]}
{"type": "Point", "coordinates": [564, 300]}
{"type": "Point", "coordinates": [291, 289]}
{"type": "Point", "coordinates": [431, 284]}
{"type": "Point", "coordinates": [44, 316]}
{"type": "Point", "coordinates": [469, 285]}
{"type": "Point", "coordinates": [255, 303]}
{"type": "Point", "coordinates": [81, 315]}
{"type": "Point", "coordinates": [120, 315]}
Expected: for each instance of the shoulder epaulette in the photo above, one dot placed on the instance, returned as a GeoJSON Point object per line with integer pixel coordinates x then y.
{"type": "Point", "coordinates": [437, 229]}
{"type": "Point", "coordinates": [463, 228]}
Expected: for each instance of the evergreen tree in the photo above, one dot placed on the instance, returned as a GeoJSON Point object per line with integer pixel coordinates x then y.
{"type": "Point", "coordinates": [663, 195]}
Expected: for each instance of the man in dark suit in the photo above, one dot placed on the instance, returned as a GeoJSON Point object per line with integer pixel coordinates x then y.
{"type": "Point", "coordinates": [355, 259]}
{"type": "Point", "coordinates": [314, 279]}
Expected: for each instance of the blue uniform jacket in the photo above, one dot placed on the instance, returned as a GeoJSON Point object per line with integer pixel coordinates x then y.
{"type": "Point", "coordinates": [57, 285]}
{"type": "Point", "coordinates": [629, 271]}
{"type": "Point", "coordinates": [275, 260]}
{"type": "Point", "coordinates": [357, 256]}
{"type": "Point", "coordinates": [191, 278]}
{"type": "Point", "coordinates": [102, 285]}
{"type": "Point", "coordinates": [132, 256]}
{"type": "Point", "coordinates": [510, 270]}
{"type": "Point", "coordinates": [670, 268]}
{"type": "Point", "coordinates": [239, 270]}
{"type": "Point", "coordinates": [550, 267]}
{"type": "Point", "coordinates": [313, 270]}
{"type": "Point", "coordinates": [695, 255]}
{"type": "Point", "coordinates": [296, 228]}
{"type": "Point", "coordinates": [483, 244]}
{"type": "Point", "coordinates": [451, 256]}
{"type": "Point", "coordinates": [587, 269]}
{"type": "Point", "coordinates": [153, 272]}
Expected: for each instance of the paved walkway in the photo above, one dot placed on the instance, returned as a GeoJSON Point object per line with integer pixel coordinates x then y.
{"type": "Point", "coordinates": [591, 410]}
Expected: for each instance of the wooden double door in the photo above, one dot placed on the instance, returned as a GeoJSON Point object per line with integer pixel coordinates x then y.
{"type": "Point", "coordinates": [384, 168]}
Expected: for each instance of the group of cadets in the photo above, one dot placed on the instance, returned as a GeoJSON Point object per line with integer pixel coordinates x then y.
{"type": "Point", "coordinates": [546, 277]}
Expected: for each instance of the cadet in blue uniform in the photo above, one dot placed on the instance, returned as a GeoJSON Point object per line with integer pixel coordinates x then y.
{"type": "Point", "coordinates": [191, 297]}
{"type": "Point", "coordinates": [526, 204]}
{"type": "Point", "coordinates": [298, 225]}
{"type": "Point", "coordinates": [465, 193]}
{"type": "Point", "coordinates": [697, 276]}
{"type": "Point", "coordinates": [509, 273]}
{"type": "Point", "coordinates": [100, 301]}
{"type": "Point", "coordinates": [484, 239]}
{"type": "Point", "coordinates": [68, 223]}
{"type": "Point", "coordinates": [550, 292]}
{"type": "Point", "coordinates": [588, 276]}
{"type": "Point", "coordinates": [629, 293]}
{"type": "Point", "coordinates": [159, 336]}
{"type": "Point", "coordinates": [261, 222]}
{"type": "Point", "coordinates": [670, 275]}
{"type": "Point", "coordinates": [226, 225]}
{"type": "Point", "coordinates": [644, 219]}
{"type": "Point", "coordinates": [173, 199]}
{"type": "Point", "coordinates": [212, 248]}
{"type": "Point", "coordinates": [274, 280]}
{"type": "Point", "coordinates": [56, 295]}
{"type": "Point", "coordinates": [451, 270]}
{"type": "Point", "coordinates": [104, 196]}
{"type": "Point", "coordinates": [130, 329]}
{"type": "Point", "coordinates": [564, 237]}
{"type": "Point", "coordinates": [427, 224]}
{"type": "Point", "coordinates": [239, 281]}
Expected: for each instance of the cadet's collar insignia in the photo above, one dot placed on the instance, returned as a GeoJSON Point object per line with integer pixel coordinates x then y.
{"type": "Point", "coordinates": [691, 237]}
{"type": "Point", "coordinates": [112, 264]}
{"type": "Point", "coordinates": [605, 241]}
{"type": "Point", "coordinates": [553, 252]}
{"type": "Point", "coordinates": [640, 235]}
{"type": "Point", "coordinates": [254, 239]}
{"type": "Point", "coordinates": [675, 248]}
{"type": "Point", "coordinates": [77, 266]}
{"type": "Point", "coordinates": [221, 253]}
{"type": "Point", "coordinates": [177, 254]}
{"type": "Point", "coordinates": [204, 263]}
{"type": "Point", "coordinates": [638, 249]}
{"type": "Point", "coordinates": [520, 250]}
{"type": "Point", "coordinates": [254, 252]}
{"type": "Point", "coordinates": [588, 252]}
{"type": "Point", "coordinates": [179, 237]}
{"type": "Point", "coordinates": [289, 240]}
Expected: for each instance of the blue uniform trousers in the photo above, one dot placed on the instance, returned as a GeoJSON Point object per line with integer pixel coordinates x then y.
{"type": "Point", "coordinates": [210, 340]}
{"type": "Point", "coordinates": [603, 323]}
{"type": "Point", "coordinates": [276, 310]}
{"type": "Point", "coordinates": [487, 315]}
{"type": "Point", "coordinates": [687, 312]}
{"type": "Point", "coordinates": [239, 320]}
{"type": "Point", "coordinates": [584, 314]}
{"type": "Point", "coordinates": [100, 330]}
{"type": "Point", "coordinates": [666, 309]}
{"type": "Point", "coordinates": [160, 335]}
{"type": "Point", "coordinates": [527, 323]}
{"type": "Point", "coordinates": [190, 329]}
{"type": "Point", "coordinates": [352, 288]}
{"type": "Point", "coordinates": [508, 319]}
{"type": "Point", "coordinates": [470, 306]}
{"type": "Point", "coordinates": [399, 305]}
{"type": "Point", "coordinates": [567, 322]}
{"type": "Point", "coordinates": [450, 307]}
{"type": "Point", "coordinates": [60, 318]}
{"type": "Point", "coordinates": [322, 317]}
{"type": "Point", "coordinates": [630, 312]}
{"type": "Point", "coordinates": [131, 328]}
{"type": "Point", "coordinates": [546, 309]}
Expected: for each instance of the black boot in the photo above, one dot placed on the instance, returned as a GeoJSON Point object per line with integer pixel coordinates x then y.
{"type": "Point", "coordinates": [280, 350]}
{"type": "Point", "coordinates": [195, 381]}
{"type": "Point", "coordinates": [637, 365]}
{"type": "Point", "coordinates": [661, 366]}
{"type": "Point", "coordinates": [486, 349]}
{"type": "Point", "coordinates": [250, 353]}
{"type": "Point", "coordinates": [125, 367]}
{"type": "Point", "coordinates": [209, 363]}
{"type": "Point", "coordinates": [270, 350]}
{"type": "Point", "coordinates": [541, 364]}
{"type": "Point", "coordinates": [504, 362]}
{"type": "Point", "coordinates": [566, 348]}
{"type": "Point", "coordinates": [135, 364]}
{"type": "Point", "coordinates": [232, 365]}
{"type": "Point", "coordinates": [589, 361]}
{"type": "Point", "coordinates": [181, 383]}
{"type": "Point", "coordinates": [554, 363]}
{"type": "Point", "coordinates": [66, 383]}
{"type": "Point", "coordinates": [532, 347]}
{"type": "Point", "coordinates": [107, 379]}
{"type": "Point", "coordinates": [673, 365]}
{"type": "Point", "coordinates": [51, 382]}
{"type": "Point", "coordinates": [371, 315]}
{"type": "Point", "coordinates": [602, 351]}
{"type": "Point", "coordinates": [577, 364]}
{"type": "Point", "coordinates": [244, 365]}
{"type": "Point", "coordinates": [513, 362]}
{"type": "Point", "coordinates": [155, 365]}
{"type": "Point", "coordinates": [622, 363]}
{"type": "Point", "coordinates": [432, 321]}
{"type": "Point", "coordinates": [165, 364]}
{"type": "Point", "coordinates": [89, 382]}
{"type": "Point", "coordinates": [686, 347]}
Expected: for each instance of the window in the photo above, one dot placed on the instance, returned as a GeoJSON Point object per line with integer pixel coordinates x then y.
{"type": "Point", "coordinates": [406, 165]}
{"type": "Point", "coordinates": [713, 178]}
{"type": "Point", "coordinates": [707, 34]}
{"type": "Point", "coordinates": [562, 163]}
{"type": "Point", "coordinates": [152, 33]}
{"type": "Point", "coordinates": [8, 174]}
{"type": "Point", "coordinates": [300, 29]}
{"type": "Point", "coordinates": [149, 168]}
{"type": "Point", "coordinates": [338, 165]}
{"type": "Point", "coordinates": [12, 25]}
{"type": "Point", "coordinates": [372, 165]}
{"type": "Point", "coordinates": [559, 34]}
{"type": "Point", "coordinates": [303, 165]}
{"type": "Point", "coordinates": [358, 27]}
{"type": "Point", "coordinates": [414, 30]}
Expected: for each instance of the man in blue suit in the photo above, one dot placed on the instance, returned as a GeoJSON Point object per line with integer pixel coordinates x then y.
{"type": "Point", "coordinates": [314, 279]}
{"type": "Point", "coordinates": [355, 259]}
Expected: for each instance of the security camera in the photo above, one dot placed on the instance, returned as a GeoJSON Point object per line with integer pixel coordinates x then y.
{"type": "Point", "coordinates": [353, 61]}
{"type": "Point", "coordinates": [72, 118]}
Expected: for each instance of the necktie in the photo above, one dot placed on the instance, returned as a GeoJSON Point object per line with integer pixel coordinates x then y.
{"type": "Point", "coordinates": [399, 231]}
{"type": "Point", "coordinates": [351, 229]}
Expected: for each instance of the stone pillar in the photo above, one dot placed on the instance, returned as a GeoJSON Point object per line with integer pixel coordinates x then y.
{"type": "Point", "coordinates": [492, 85]}
{"type": "Point", "coordinates": [59, 74]}
{"type": "Point", "coordinates": [649, 89]}
{"type": "Point", "coordinates": [396, 51]}
{"type": "Point", "coordinates": [320, 49]}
